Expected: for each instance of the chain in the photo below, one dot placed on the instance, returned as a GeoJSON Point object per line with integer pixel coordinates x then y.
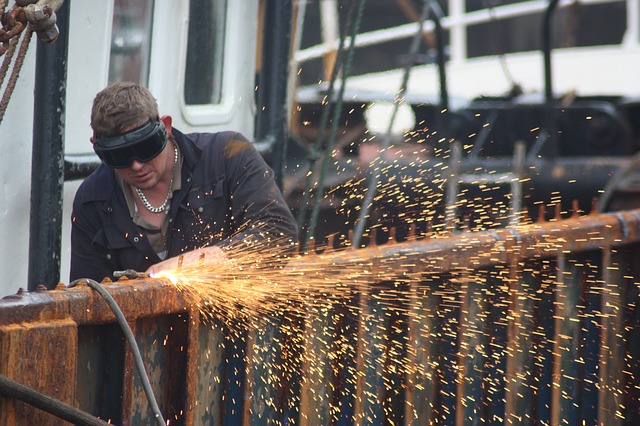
{"type": "Point", "coordinates": [164, 205]}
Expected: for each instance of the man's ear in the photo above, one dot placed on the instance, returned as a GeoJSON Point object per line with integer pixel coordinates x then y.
{"type": "Point", "coordinates": [166, 120]}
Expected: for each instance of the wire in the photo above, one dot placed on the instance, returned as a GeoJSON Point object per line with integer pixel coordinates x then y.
{"type": "Point", "coordinates": [12, 389]}
{"type": "Point", "coordinates": [128, 334]}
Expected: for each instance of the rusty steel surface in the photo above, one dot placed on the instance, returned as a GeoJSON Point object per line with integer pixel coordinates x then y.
{"type": "Point", "coordinates": [137, 298]}
{"type": "Point", "coordinates": [149, 297]}
{"type": "Point", "coordinates": [21, 346]}
{"type": "Point", "coordinates": [200, 376]}
{"type": "Point", "coordinates": [477, 249]}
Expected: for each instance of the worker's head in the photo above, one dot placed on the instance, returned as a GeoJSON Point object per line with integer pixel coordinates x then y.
{"type": "Point", "coordinates": [122, 106]}
{"type": "Point", "coordinates": [126, 126]}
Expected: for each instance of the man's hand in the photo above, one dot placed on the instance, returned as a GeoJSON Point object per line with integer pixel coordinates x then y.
{"type": "Point", "coordinates": [201, 256]}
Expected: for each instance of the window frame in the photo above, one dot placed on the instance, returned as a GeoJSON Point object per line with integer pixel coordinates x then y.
{"type": "Point", "coordinates": [147, 45]}
{"type": "Point", "coordinates": [222, 112]}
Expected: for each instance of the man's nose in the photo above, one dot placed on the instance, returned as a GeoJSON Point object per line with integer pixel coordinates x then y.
{"type": "Point", "coordinates": [136, 165]}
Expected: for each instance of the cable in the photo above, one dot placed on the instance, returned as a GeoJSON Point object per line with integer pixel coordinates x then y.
{"type": "Point", "coordinates": [128, 334]}
{"type": "Point", "coordinates": [12, 389]}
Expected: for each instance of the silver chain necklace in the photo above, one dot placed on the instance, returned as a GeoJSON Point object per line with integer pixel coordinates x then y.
{"type": "Point", "coordinates": [163, 207]}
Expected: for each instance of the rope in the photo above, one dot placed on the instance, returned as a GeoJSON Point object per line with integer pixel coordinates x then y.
{"type": "Point", "coordinates": [15, 72]}
{"type": "Point", "coordinates": [22, 21]}
{"type": "Point", "coordinates": [6, 62]}
{"type": "Point", "coordinates": [314, 152]}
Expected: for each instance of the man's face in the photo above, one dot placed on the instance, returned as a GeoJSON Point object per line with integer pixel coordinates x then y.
{"type": "Point", "coordinates": [147, 174]}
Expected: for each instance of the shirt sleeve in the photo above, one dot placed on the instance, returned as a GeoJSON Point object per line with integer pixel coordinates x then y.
{"type": "Point", "coordinates": [87, 260]}
{"type": "Point", "coordinates": [258, 206]}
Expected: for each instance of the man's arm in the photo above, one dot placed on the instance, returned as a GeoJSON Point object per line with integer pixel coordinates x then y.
{"type": "Point", "coordinates": [87, 261]}
{"type": "Point", "coordinates": [257, 203]}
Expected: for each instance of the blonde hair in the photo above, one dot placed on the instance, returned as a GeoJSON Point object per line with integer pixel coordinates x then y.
{"type": "Point", "coordinates": [120, 106]}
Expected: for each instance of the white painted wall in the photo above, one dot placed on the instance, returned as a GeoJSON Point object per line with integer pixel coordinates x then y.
{"type": "Point", "coordinates": [15, 177]}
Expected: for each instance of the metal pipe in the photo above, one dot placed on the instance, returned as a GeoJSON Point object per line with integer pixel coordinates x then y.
{"type": "Point", "coordinates": [79, 166]}
{"type": "Point", "coordinates": [11, 389]}
{"type": "Point", "coordinates": [550, 124]}
{"type": "Point", "coordinates": [271, 119]}
{"type": "Point", "coordinates": [436, 16]}
{"type": "Point", "coordinates": [47, 169]}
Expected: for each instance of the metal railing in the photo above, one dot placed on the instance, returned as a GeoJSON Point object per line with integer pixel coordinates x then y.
{"type": "Point", "coordinates": [457, 23]}
{"type": "Point", "coordinates": [535, 324]}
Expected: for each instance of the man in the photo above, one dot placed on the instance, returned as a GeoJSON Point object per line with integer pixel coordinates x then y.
{"type": "Point", "coordinates": [163, 199]}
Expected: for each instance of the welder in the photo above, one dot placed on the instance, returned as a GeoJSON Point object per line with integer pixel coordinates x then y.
{"type": "Point", "coordinates": [163, 199]}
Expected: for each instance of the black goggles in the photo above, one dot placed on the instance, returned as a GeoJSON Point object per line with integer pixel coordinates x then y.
{"type": "Point", "coordinates": [143, 144]}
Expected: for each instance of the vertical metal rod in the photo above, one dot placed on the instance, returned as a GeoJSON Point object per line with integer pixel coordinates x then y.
{"type": "Point", "coordinates": [271, 120]}
{"type": "Point", "coordinates": [316, 389]}
{"type": "Point", "coordinates": [516, 183]}
{"type": "Point", "coordinates": [550, 124]}
{"type": "Point", "coordinates": [436, 15]}
{"type": "Point", "coordinates": [47, 169]}
{"type": "Point", "coordinates": [361, 401]}
{"type": "Point", "coordinates": [191, 370]}
{"type": "Point", "coordinates": [249, 383]}
{"type": "Point", "coordinates": [611, 363]}
{"type": "Point", "coordinates": [451, 201]}
{"type": "Point", "coordinates": [471, 354]}
{"type": "Point", "coordinates": [422, 353]}
{"type": "Point", "coordinates": [564, 399]}
{"type": "Point", "coordinates": [518, 379]}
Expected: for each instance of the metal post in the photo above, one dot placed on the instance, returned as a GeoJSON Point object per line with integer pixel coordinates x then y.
{"type": "Point", "coordinates": [271, 121]}
{"type": "Point", "coordinates": [550, 124]}
{"type": "Point", "coordinates": [47, 169]}
{"type": "Point", "coordinates": [611, 406]}
{"type": "Point", "coordinates": [566, 341]}
{"type": "Point", "coordinates": [436, 16]}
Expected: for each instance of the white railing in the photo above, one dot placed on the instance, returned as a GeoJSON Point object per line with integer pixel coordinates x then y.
{"type": "Point", "coordinates": [458, 21]}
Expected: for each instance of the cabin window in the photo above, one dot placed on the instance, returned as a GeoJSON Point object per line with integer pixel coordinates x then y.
{"type": "Point", "coordinates": [131, 41]}
{"type": "Point", "coordinates": [205, 48]}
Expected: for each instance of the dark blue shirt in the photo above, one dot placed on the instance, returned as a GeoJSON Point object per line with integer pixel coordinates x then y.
{"type": "Point", "coordinates": [228, 197]}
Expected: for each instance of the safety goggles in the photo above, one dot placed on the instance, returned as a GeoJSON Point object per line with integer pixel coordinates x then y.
{"type": "Point", "coordinates": [143, 144]}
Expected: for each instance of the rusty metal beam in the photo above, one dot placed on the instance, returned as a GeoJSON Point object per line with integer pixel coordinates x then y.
{"type": "Point", "coordinates": [479, 249]}
{"type": "Point", "coordinates": [424, 264]}
{"type": "Point", "coordinates": [136, 298]}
